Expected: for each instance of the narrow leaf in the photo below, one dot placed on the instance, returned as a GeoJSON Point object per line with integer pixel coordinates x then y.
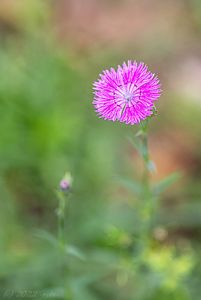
{"type": "Point", "coordinates": [45, 235]}
{"type": "Point", "coordinates": [132, 185]}
{"type": "Point", "coordinates": [138, 145]}
{"type": "Point", "coordinates": [74, 251]}
{"type": "Point", "coordinates": [166, 183]}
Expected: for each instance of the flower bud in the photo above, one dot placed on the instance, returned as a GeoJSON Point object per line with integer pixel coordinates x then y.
{"type": "Point", "coordinates": [66, 182]}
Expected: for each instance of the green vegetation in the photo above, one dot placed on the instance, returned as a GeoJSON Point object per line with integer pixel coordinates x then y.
{"type": "Point", "coordinates": [48, 127]}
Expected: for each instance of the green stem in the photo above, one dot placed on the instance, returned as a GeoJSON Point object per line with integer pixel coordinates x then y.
{"type": "Point", "coordinates": [144, 152]}
{"type": "Point", "coordinates": [62, 241]}
{"type": "Point", "coordinates": [147, 197]}
{"type": "Point", "coordinates": [145, 156]}
{"type": "Point", "coordinates": [61, 219]}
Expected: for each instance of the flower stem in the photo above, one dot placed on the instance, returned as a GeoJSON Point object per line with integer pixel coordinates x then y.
{"type": "Point", "coordinates": [62, 242]}
{"type": "Point", "coordinates": [146, 205]}
{"type": "Point", "coordinates": [144, 151]}
{"type": "Point", "coordinates": [147, 195]}
{"type": "Point", "coordinates": [61, 219]}
{"type": "Point", "coordinates": [145, 156]}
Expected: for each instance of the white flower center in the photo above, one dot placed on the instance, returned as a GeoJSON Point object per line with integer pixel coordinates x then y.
{"type": "Point", "coordinates": [126, 94]}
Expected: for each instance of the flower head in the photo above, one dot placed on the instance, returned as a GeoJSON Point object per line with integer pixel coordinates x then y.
{"type": "Point", "coordinates": [126, 94]}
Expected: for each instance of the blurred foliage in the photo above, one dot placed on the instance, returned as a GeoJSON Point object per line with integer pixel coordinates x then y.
{"type": "Point", "coordinates": [48, 127]}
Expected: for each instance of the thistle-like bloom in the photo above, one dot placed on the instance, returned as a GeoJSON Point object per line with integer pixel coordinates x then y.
{"type": "Point", "coordinates": [126, 94]}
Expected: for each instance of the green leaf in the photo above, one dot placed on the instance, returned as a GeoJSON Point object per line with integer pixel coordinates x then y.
{"type": "Point", "coordinates": [45, 235]}
{"type": "Point", "coordinates": [132, 185]}
{"type": "Point", "coordinates": [75, 252]}
{"type": "Point", "coordinates": [139, 146]}
{"type": "Point", "coordinates": [165, 183]}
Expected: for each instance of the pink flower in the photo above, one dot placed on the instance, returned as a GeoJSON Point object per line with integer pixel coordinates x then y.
{"type": "Point", "coordinates": [126, 94]}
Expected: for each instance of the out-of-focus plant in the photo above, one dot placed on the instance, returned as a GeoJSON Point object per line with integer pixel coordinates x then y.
{"type": "Point", "coordinates": [127, 95]}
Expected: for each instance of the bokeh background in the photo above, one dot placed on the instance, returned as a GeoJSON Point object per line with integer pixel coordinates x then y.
{"type": "Point", "coordinates": [50, 54]}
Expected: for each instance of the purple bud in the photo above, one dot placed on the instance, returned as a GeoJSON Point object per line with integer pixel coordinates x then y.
{"type": "Point", "coordinates": [64, 184]}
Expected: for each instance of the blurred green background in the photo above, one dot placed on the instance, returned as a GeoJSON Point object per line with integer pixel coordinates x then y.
{"type": "Point", "coordinates": [50, 54]}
